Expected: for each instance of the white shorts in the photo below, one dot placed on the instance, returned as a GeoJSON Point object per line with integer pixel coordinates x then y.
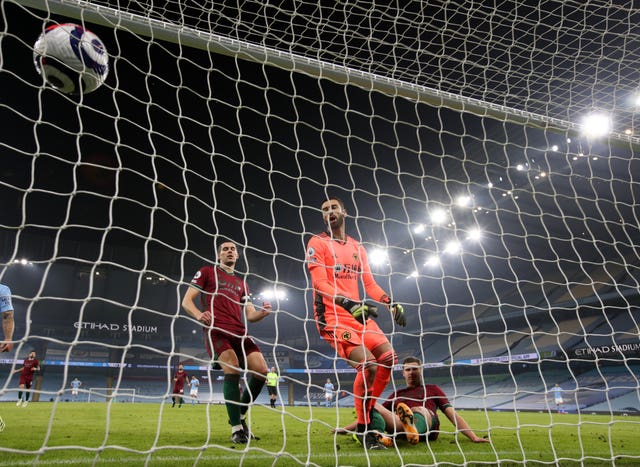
{"type": "Point", "coordinates": [193, 393]}
{"type": "Point", "coordinates": [559, 400]}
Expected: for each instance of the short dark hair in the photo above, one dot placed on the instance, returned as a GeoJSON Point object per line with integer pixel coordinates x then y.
{"type": "Point", "coordinates": [223, 240]}
{"type": "Point", "coordinates": [412, 360]}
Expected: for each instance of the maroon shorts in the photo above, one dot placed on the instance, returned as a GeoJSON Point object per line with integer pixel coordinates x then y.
{"type": "Point", "coordinates": [26, 381]}
{"type": "Point", "coordinates": [222, 341]}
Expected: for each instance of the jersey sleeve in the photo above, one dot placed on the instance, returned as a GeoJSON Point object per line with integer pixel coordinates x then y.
{"type": "Point", "coordinates": [439, 397]}
{"type": "Point", "coordinates": [200, 279]}
{"type": "Point", "coordinates": [320, 279]}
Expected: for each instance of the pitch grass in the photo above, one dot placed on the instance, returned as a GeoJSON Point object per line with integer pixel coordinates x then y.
{"type": "Point", "coordinates": [46, 433]}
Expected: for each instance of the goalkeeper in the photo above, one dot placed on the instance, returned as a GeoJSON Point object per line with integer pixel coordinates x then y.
{"type": "Point", "coordinates": [338, 264]}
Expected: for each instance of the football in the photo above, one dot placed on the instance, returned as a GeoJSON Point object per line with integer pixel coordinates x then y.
{"type": "Point", "coordinates": [71, 59]}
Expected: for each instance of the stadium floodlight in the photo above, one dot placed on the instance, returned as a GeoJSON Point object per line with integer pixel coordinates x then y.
{"type": "Point", "coordinates": [438, 216]}
{"type": "Point", "coordinates": [273, 293]}
{"type": "Point", "coordinates": [463, 201]}
{"type": "Point", "coordinates": [596, 125]}
{"type": "Point", "coordinates": [419, 228]}
{"type": "Point", "coordinates": [453, 247]}
{"type": "Point", "coordinates": [378, 256]}
{"type": "Point", "coordinates": [475, 234]}
{"type": "Point", "coordinates": [432, 261]}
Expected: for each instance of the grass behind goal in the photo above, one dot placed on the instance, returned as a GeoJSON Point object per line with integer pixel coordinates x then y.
{"type": "Point", "coordinates": [158, 435]}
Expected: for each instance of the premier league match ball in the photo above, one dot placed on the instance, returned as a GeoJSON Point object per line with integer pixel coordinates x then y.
{"type": "Point", "coordinates": [71, 58]}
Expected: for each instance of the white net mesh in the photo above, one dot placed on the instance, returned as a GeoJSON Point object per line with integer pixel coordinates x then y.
{"type": "Point", "coordinates": [239, 121]}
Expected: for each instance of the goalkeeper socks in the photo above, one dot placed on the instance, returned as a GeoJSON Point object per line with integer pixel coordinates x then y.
{"type": "Point", "coordinates": [231, 392]}
{"type": "Point", "coordinates": [19, 395]}
{"type": "Point", "coordinates": [361, 394]}
{"type": "Point", "coordinates": [26, 396]}
{"type": "Point", "coordinates": [254, 387]}
{"type": "Point", "coordinates": [386, 362]}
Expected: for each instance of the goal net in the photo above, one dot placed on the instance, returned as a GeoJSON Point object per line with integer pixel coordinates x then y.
{"type": "Point", "coordinates": [486, 155]}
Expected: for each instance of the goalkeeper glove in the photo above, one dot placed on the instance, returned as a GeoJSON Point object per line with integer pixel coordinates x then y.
{"type": "Point", "coordinates": [361, 311]}
{"type": "Point", "coordinates": [397, 311]}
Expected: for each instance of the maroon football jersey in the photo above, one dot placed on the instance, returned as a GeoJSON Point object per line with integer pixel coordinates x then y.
{"type": "Point", "coordinates": [27, 368]}
{"type": "Point", "coordinates": [429, 396]}
{"type": "Point", "coordinates": [223, 295]}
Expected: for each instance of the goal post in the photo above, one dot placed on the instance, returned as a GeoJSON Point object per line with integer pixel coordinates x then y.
{"type": "Point", "coordinates": [453, 133]}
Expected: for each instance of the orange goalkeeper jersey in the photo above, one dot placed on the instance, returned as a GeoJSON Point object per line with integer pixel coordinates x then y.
{"type": "Point", "coordinates": [338, 268]}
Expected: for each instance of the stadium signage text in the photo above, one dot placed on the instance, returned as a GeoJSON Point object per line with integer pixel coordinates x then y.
{"type": "Point", "coordinates": [607, 349]}
{"type": "Point", "coordinates": [115, 327]}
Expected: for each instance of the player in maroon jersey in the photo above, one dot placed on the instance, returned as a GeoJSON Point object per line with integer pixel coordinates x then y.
{"type": "Point", "coordinates": [225, 299]}
{"type": "Point", "coordinates": [339, 267]}
{"type": "Point", "coordinates": [412, 411]}
{"type": "Point", "coordinates": [29, 367]}
{"type": "Point", "coordinates": [180, 379]}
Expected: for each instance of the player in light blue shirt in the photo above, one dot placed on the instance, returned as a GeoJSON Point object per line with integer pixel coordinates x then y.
{"type": "Point", "coordinates": [194, 384]}
{"type": "Point", "coordinates": [8, 325]}
{"type": "Point", "coordinates": [328, 392]}
{"type": "Point", "coordinates": [557, 395]}
{"type": "Point", "coordinates": [75, 387]}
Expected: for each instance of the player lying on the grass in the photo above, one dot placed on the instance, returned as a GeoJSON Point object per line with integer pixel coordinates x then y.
{"type": "Point", "coordinates": [412, 410]}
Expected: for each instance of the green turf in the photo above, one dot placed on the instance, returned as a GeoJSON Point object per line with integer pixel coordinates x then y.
{"type": "Point", "coordinates": [157, 435]}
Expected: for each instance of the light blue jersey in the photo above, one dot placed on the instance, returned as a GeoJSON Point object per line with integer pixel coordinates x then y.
{"type": "Point", "coordinates": [328, 390]}
{"type": "Point", "coordinates": [5, 299]}
{"type": "Point", "coordinates": [193, 384]}
{"type": "Point", "coordinates": [557, 392]}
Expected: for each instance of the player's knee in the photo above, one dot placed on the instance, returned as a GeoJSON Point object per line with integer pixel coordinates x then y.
{"type": "Point", "coordinates": [366, 365]}
{"type": "Point", "coordinates": [388, 359]}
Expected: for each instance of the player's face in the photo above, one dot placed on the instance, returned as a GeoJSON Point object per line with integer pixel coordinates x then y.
{"type": "Point", "coordinates": [333, 213]}
{"type": "Point", "coordinates": [32, 355]}
{"type": "Point", "coordinates": [412, 373]}
{"type": "Point", "coordinates": [228, 254]}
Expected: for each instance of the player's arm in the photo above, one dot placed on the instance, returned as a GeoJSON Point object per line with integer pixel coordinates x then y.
{"type": "Point", "coordinates": [8, 326]}
{"type": "Point", "coordinates": [462, 426]}
{"type": "Point", "coordinates": [255, 314]}
{"type": "Point", "coordinates": [189, 304]}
